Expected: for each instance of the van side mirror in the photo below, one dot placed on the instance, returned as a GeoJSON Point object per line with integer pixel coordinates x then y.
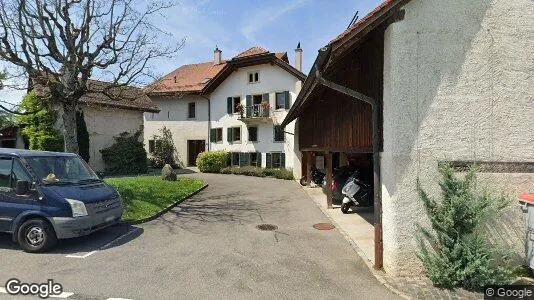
{"type": "Point", "coordinates": [22, 187]}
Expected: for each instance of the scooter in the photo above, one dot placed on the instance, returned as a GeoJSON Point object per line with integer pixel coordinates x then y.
{"type": "Point", "coordinates": [316, 176]}
{"type": "Point", "coordinates": [356, 193]}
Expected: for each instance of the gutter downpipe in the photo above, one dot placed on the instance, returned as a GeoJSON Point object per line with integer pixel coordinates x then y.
{"type": "Point", "coordinates": [209, 120]}
{"type": "Point", "coordinates": [377, 186]}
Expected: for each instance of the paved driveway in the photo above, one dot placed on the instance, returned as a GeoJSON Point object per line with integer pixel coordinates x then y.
{"type": "Point", "coordinates": [209, 247]}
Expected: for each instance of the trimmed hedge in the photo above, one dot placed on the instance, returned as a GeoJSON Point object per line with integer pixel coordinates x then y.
{"type": "Point", "coordinates": [212, 161]}
{"type": "Point", "coordinates": [259, 172]}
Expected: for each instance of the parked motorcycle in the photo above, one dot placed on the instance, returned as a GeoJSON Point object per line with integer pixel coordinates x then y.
{"type": "Point", "coordinates": [339, 178]}
{"type": "Point", "coordinates": [316, 176]}
{"type": "Point", "coordinates": [357, 193]}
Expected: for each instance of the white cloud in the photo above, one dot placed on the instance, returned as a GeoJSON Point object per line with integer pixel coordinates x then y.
{"type": "Point", "coordinates": [265, 17]}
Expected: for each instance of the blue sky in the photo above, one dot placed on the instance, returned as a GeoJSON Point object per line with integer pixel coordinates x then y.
{"type": "Point", "coordinates": [237, 25]}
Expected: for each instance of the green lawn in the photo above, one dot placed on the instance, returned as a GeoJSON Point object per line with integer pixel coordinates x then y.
{"type": "Point", "coordinates": [145, 196]}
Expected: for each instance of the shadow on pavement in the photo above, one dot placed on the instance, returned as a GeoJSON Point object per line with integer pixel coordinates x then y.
{"type": "Point", "coordinates": [230, 208]}
{"type": "Point", "coordinates": [107, 238]}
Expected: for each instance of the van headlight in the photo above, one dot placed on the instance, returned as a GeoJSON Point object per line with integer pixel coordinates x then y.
{"type": "Point", "coordinates": [77, 207]}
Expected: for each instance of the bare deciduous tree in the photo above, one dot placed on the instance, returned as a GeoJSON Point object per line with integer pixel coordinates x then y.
{"type": "Point", "coordinates": [60, 43]}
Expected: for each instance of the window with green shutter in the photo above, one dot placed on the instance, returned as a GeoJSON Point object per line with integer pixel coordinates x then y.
{"type": "Point", "coordinates": [235, 158]}
{"type": "Point", "coordinates": [268, 161]}
{"type": "Point", "coordinates": [283, 100]}
{"type": "Point", "coordinates": [244, 159]}
{"type": "Point", "coordinates": [278, 160]}
{"type": "Point", "coordinates": [229, 105]}
{"type": "Point", "coordinates": [216, 135]}
{"type": "Point", "coordinates": [213, 135]}
{"type": "Point", "coordinates": [278, 133]}
{"type": "Point", "coordinates": [252, 134]}
{"type": "Point", "coordinates": [287, 97]}
{"type": "Point", "coordinates": [229, 138]}
{"type": "Point", "coordinates": [253, 158]}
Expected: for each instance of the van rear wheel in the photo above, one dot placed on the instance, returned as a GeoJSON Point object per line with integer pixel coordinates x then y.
{"type": "Point", "coordinates": [36, 235]}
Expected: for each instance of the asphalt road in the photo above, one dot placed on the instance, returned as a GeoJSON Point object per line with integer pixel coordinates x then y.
{"type": "Point", "coordinates": [209, 248]}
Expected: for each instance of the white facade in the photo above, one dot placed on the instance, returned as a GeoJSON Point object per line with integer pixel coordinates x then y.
{"type": "Point", "coordinates": [458, 85]}
{"type": "Point", "coordinates": [174, 114]}
{"type": "Point", "coordinates": [272, 80]}
{"type": "Point", "coordinates": [103, 125]}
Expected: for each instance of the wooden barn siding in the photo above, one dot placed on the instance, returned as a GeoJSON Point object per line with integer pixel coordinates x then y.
{"type": "Point", "coordinates": [337, 122]}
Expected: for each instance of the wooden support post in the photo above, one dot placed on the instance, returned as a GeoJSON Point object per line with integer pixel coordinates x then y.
{"type": "Point", "coordinates": [309, 160]}
{"type": "Point", "coordinates": [328, 167]}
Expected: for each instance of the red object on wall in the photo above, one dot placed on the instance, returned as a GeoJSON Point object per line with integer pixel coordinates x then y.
{"type": "Point", "coordinates": [526, 197]}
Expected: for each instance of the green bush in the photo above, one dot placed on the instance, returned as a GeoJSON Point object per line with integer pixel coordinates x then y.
{"type": "Point", "coordinates": [212, 161]}
{"type": "Point", "coordinates": [164, 149]}
{"type": "Point", "coordinates": [455, 252]}
{"type": "Point", "coordinates": [283, 174]}
{"type": "Point", "coordinates": [259, 172]}
{"type": "Point", "coordinates": [126, 156]}
{"type": "Point", "coordinates": [247, 171]}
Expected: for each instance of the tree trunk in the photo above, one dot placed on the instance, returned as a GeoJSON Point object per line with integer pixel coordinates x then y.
{"type": "Point", "coordinates": [69, 125]}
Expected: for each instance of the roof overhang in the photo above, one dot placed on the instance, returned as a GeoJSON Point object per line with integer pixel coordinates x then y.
{"type": "Point", "coordinates": [252, 60]}
{"type": "Point", "coordinates": [338, 48]}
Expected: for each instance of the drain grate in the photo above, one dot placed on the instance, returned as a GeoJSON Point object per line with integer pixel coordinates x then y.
{"type": "Point", "coordinates": [324, 226]}
{"type": "Point", "coordinates": [267, 227]}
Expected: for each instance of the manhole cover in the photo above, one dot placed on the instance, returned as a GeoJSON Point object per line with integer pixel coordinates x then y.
{"type": "Point", "coordinates": [323, 226]}
{"type": "Point", "coordinates": [267, 227]}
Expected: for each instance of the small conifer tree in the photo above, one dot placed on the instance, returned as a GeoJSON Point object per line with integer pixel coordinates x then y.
{"type": "Point", "coordinates": [454, 251]}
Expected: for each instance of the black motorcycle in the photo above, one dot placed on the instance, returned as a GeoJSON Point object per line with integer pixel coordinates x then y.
{"type": "Point", "coordinates": [316, 176]}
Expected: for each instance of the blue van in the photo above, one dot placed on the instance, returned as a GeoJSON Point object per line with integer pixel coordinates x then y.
{"type": "Point", "coordinates": [46, 196]}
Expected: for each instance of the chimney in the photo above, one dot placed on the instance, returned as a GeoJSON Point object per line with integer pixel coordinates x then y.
{"type": "Point", "coordinates": [298, 58]}
{"type": "Point", "coordinates": [217, 56]}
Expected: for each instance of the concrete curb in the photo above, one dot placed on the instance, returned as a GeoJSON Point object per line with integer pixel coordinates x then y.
{"type": "Point", "coordinates": [165, 210]}
{"type": "Point", "coordinates": [376, 273]}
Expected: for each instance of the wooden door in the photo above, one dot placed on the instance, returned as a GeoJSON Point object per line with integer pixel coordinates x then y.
{"type": "Point", "coordinates": [194, 147]}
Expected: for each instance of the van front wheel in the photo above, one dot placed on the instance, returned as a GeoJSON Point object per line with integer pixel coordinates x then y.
{"type": "Point", "coordinates": [36, 235]}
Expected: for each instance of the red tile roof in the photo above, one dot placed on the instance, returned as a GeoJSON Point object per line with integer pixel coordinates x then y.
{"type": "Point", "coordinates": [251, 51]}
{"type": "Point", "coordinates": [194, 77]}
{"type": "Point", "coordinates": [187, 78]}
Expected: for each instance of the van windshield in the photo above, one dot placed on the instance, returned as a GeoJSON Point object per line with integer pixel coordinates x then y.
{"type": "Point", "coordinates": [61, 169]}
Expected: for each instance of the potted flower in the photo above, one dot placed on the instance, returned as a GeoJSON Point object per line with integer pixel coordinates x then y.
{"type": "Point", "coordinates": [265, 108]}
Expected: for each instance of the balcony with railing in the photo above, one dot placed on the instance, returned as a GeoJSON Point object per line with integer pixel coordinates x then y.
{"type": "Point", "coordinates": [256, 113]}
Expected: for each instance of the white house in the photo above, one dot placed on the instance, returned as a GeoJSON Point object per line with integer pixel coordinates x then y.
{"type": "Point", "coordinates": [234, 105]}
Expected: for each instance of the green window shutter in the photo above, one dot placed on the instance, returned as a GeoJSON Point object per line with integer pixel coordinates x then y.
{"type": "Point", "coordinates": [212, 135]}
{"type": "Point", "coordinates": [252, 134]}
{"type": "Point", "coordinates": [287, 97]}
{"type": "Point", "coordinates": [229, 105]}
{"type": "Point", "coordinates": [258, 161]}
{"type": "Point", "coordinates": [242, 159]}
{"type": "Point", "coordinates": [268, 161]}
{"type": "Point", "coordinates": [282, 160]}
{"type": "Point", "coordinates": [229, 134]}
{"type": "Point", "coordinates": [248, 109]}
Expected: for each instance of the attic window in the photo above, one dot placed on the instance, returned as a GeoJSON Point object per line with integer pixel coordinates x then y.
{"type": "Point", "coordinates": [174, 79]}
{"type": "Point", "coordinates": [205, 80]}
{"type": "Point", "coordinates": [253, 77]}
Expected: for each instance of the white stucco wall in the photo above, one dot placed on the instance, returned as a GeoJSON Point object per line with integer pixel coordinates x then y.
{"type": "Point", "coordinates": [458, 85]}
{"type": "Point", "coordinates": [174, 115]}
{"type": "Point", "coordinates": [103, 124]}
{"type": "Point", "coordinates": [273, 79]}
